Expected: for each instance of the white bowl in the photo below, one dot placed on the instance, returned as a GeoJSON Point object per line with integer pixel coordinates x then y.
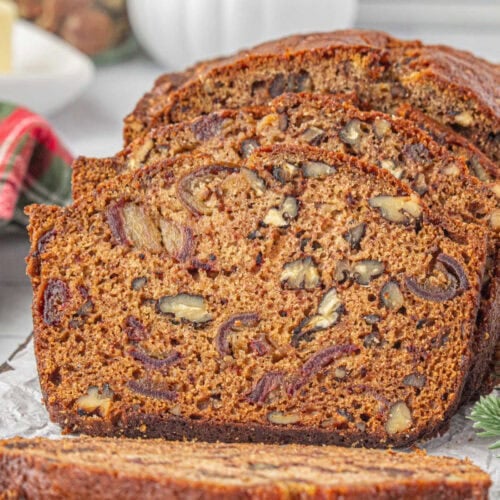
{"type": "Point", "coordinates": [47, 72]}
{"type": "Point", "coordinates": [178, 33]}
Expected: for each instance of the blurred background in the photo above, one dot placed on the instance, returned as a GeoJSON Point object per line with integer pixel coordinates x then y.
{"type": "Point", "coordinates": [83, 64]}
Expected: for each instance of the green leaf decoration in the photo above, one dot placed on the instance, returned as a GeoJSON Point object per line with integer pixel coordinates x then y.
{"type": "Point", "coordinates": [486, 417]}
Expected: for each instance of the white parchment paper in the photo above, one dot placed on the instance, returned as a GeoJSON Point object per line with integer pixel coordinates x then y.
{"type": "Point", "coordinates": [23, 414]}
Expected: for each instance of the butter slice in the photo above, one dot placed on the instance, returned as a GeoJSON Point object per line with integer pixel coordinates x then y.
{"type": "Point", "coordinates": [8, 13]}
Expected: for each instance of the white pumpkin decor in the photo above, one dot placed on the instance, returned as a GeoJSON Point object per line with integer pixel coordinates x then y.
{"type": "Point", "coordinates": [178, 33]}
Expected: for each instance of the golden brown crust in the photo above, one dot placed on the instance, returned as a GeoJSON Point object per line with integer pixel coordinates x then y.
{"type": "Point", "coordinates": [107, 469]}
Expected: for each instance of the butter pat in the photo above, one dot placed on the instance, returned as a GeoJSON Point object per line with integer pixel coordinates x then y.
{"type": "Point", "coordinates": [8, 13]}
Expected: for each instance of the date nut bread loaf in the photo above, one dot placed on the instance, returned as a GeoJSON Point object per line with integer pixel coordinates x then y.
{"type": "Point", "coordinates": [334, 123]}
{"type": "Point", "coordinates": [220, 301]}
{"type": "Point", "coordinates": [451, 86]}
{"type": "Point", "coordinates": [104, 468]}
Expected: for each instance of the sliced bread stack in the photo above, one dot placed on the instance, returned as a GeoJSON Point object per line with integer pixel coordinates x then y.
{"type": "Point", "coordinates": [275, 258]}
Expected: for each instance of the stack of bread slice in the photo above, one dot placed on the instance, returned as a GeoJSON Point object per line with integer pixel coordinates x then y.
{"type": "Point", "coordinates": [298, 243]}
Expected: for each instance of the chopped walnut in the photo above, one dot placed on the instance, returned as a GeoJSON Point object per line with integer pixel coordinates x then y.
{"type": "Point", "coordinates": [280, 418]}
{"type": "Point", "coordinates": [464, 119]}
{"type": "Point", "coordinates": [94, 401]}
{"type": "Point", "coordinates": [354, 235]}
{"type": "Point", "coordinates": [316, 169]}
{"type": "Point", "coordinates": [399, 209]}
{"type": "Point", "coordinates": [198, 192]}
{"type": "Point", "coordinates": [391, 166]}
{"type": "Point", "coordinates": [365, 271]}
{"type": "Point", "coordinates": [329, 311]}
{"type": "Point", "coordinates": [300, 274]}
{"type": "Point", "coordinates": [381, 127]}
{"type": "Point", "coordinates": [281, 216]}
{"type": "Point", "coordinates": [285, 173]}
{"type": "Point", "coordinates": [256, 182]}
{"type": "Point", "coordinates": [351, 133]}
{"type": "Point", "coordinates": [186, 307]}
{"type": "Point", "coordinates": [399, 419]}
{"type": "Point", "coordinates": [313, 136]}
{"type": "Point", "coordinates": [391, 296]}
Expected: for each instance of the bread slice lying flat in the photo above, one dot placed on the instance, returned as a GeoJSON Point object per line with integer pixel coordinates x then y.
{"type": "Point", "coordinates": [103, 468]}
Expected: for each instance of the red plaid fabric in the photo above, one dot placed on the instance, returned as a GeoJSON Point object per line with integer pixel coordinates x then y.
{"type": "Point", "coordinates": [34, 166]}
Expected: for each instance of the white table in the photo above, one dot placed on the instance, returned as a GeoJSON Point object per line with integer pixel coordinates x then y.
{"type": "Point", "coordinates": [92, 125]}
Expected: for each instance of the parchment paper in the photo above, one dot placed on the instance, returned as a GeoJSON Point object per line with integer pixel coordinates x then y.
{"type": "Point", "coordinates": [23, 414]}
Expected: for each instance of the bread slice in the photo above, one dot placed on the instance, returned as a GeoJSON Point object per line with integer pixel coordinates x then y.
{"type": "Point", "coordinates": [334, 123]}
{"type": "Point", "coordinates": [200, 299]}
{"type": "Point", "coordinates": [270, 69]}
{"type": "Point", "coordinates": [451, 86]}
{"type": "Point", "coordinates": [479, 164]}
{"type": "Point", "coordinates": [103, 468]}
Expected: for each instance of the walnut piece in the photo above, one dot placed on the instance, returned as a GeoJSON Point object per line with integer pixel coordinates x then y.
{"type": "Point", "coordinates": [256, 182]}
{"type": "Point", "coordinates": [399, 209]}
{"type": "Point", "coordinates": [364, 271]}
{"type": "Point", "coordinates": [464, 119]}
{"type": "Point", "coordinates": [313, 135]}
{"type": "Point", "coordinates": [381, 127]}
{"type": "Point", "coordinates": [329, 311]}
{"type": "Point", "coordinates": [300, 274]}
{"type": "Point", "coordinates": [351, 133]}
{"type": "Point", "coordinates": [391, 166]}
{"type": "Point", "coordinates": [139, 283]}
{"type": "Point", "coordinates": [316, 169]}
{"type": "Point", "coordinates": [281, 216]}
{"type": "Point", "coordinates": [285, 173]}
{"type": "Point", "coordinates": [186, 307]}
{"type": "Point", "coordinates": [415, 380]}
{"type": "Point", "coordinates": [354, 235]}
{"type": "Point", "coordinates": [280, 418]}
{"type": "Point", "coordinates": [199, 190]}
{"type": "Point", "coordinates": [391, 296]}
{"type": "Point", "coordinates": [399, 419]}
{"type": "Point", "coordinates": [342, 271]}
{"type": "Point", "coordinates": [94, 401]}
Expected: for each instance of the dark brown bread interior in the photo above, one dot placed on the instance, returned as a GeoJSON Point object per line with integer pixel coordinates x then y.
{"type": "Point", "coordinates": [106, 469]}
{"type": "Point", "coordinates": [333, 123]}
{"type": "Point", "coordinates": [453, 87]}
{"type": "Point", "coordinates": [305, 293]}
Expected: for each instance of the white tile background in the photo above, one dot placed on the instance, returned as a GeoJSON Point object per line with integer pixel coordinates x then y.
{"type": "Point", "coordinates": [92, 125]}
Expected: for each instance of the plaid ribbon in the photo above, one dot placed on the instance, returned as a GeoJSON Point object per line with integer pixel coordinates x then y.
{"type": "Point", "coordinates": [34, 166]}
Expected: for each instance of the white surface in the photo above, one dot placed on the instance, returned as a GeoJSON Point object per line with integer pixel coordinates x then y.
{"type": "Point", "coordinates": [47, 73]}
{"type": "Point", "coordinates": [181, 32]}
